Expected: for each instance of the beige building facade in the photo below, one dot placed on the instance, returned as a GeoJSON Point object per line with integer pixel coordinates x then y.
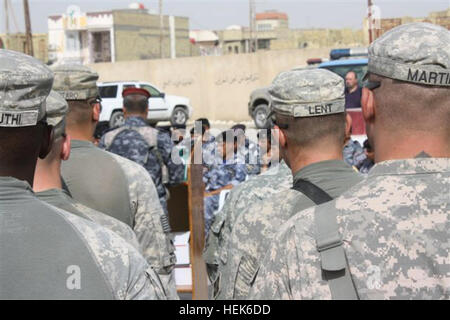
{"type": "Point", "coordinates": [116, 35]}
{"type": "Point", "coordinates": [17, 42]}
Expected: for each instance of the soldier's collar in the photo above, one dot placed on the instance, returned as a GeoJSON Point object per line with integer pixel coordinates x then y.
{"type": "Point", "coordinates": [410, 166]}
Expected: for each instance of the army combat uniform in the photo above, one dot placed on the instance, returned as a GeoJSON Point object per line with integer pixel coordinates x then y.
{"type": "Point", "coordinates": [254, 228]}
{"type": "Point", "coordinates": [47, 253]}
{"type": "Point", "coordinates": [387, 237]}
{"type": "Point", "coordinates": [56, 109]}
{"type": "Point", "coordinates": [255, 189]}
{"type": "Point", "coordinates": [114, 185]}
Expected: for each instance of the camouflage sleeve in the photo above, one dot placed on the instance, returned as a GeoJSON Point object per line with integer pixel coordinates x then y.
{"type": "Point", "coordinates": [124, 268]}
{"type": "Point", "coordinates": [156, 245]}
{"type": "Point", "coordinates": [118, 227]}
{"type": "Point", "coordinates": [273, 279]}
{"type": "Point", "coordinates": [172, 160]}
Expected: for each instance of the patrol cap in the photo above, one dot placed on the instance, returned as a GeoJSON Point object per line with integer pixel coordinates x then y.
{"type": "Point", "coordinates": [140, 91]}
{"type": "Point", "coordinates": [56, 108]}
{"type": "Point", "coordinates": [414, 52]}
{"type": "Point", "coordinates": [75, 82]}
{"type": "Point", "coordinates": [307, 93]}
{"type": "Point", "coordinates": [25, 83]}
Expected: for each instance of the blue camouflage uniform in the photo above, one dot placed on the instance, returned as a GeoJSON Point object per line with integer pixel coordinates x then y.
{"type": "Point", "coordinates": [353, 153]}
{"type": "Point", "coordinates": [218, 176]}
{"type": "Point", "coordinates": [131, 145]}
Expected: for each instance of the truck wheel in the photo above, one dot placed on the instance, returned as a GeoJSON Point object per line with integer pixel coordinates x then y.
{"type": "Point", "coordinates": [179, 116]}
{"type": "Point", "coordinates": [260, 116]}
{"type": "Point", "coordinates": [117, 119]}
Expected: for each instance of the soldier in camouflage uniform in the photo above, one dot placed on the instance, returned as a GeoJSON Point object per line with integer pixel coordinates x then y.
{"type": "Point", "coordinates": [246, 194]}
{"type": "Point", "coordinates": [47, 177]}
{"type": "Point", "coordinates": [312, 145]}
{"type": "Point", "coordinates": [387, 237]}
{"type": "Point", "coordinates": [109, 183]}
{"type": "Point", "coordinates": [138, 141]}
{"type": "Point", "coordinates": [226, 173]}
{"type": "Point", "coordinates": [47, 253]}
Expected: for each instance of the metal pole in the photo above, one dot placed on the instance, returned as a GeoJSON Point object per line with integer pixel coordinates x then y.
{"type": "Point", "coordinates": [161, 21]}
{"type": "Point", "coordinates": [370, 21]}
{"type": "Point", "coordinates": [29, 36]}
{"type": "Point", "coordinates": [250, 22]}
{"type": "Point", "coordinates": [6, 24]}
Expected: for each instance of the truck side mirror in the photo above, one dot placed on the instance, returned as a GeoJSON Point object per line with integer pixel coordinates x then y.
{"type": "Point", "coordinates": [162, 95]}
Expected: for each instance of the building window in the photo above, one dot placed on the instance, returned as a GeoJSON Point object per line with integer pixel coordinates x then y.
{"type": "Point", "coordinates": [264, 27]}
{"type": "Point", "coordinates": [236, 49]}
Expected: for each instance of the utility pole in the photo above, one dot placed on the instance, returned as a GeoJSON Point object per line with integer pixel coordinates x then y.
{"type": "Point", "coordinates": [369, 17]}
{"type": "Point", "coordinates": [5, 2]}
{"type": "Point", "coordinates": [253, 44]}
{"type": "Point", "coordinates": [29, 36]}
{"type": "Point", "coordinates": [161, 29]}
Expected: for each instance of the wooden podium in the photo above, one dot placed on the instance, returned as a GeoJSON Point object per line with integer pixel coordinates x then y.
{"type": "Point", "coordinates": [186, 214]}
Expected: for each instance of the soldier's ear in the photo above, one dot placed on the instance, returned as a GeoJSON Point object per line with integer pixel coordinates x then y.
{"type": "Point", "coordinates": [280, 136]}
{"type": "Point", "coordinates": [47, 141]}
{"type": "Point", "coordinates": [96, 112]}
{"type": "Point", "coordinates": [65, 150]}
{"type": "Point", "coordinates": [367, 105]}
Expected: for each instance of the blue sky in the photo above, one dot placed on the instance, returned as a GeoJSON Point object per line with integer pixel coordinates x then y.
{"type": "Point", "coordinates": [218, 14]}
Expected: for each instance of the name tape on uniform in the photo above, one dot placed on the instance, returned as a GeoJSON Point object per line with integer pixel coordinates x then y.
{"type": "Point", "coordinates": [18, 119]}
{"type": "Point", "coordinates": [310, 109]}
{"type": "Point", "coordinates": [428, 77]}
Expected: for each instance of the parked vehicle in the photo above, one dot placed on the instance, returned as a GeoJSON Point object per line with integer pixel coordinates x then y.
{"type": "Point", "coordinates": [162, 107]}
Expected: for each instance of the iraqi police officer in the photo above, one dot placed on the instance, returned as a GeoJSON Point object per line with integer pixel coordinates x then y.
{"type": "Point", "coordinates": [47, 253]}
{"type": "Point", "coordinates": [47, 177]}
{"type": "Point", "coordinates": [387, 237]}
{"type": "Point", "coordinates": [138, 141]}
{"type": "Point", "coordinates": [309, 108]}
{"type": "Point", "coordinates": [109, 183]}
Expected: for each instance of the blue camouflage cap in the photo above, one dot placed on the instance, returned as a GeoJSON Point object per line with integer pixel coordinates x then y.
{"type": "Point", "coordinates": [25, 83]}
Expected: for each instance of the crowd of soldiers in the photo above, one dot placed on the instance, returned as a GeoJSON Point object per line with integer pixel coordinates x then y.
{"type": "Point", "coordinates": [307, 217]}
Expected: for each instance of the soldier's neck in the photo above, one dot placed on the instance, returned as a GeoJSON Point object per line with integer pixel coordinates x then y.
{"type": "Point", "coordinates": [392, 146]}
{"type": "Point", "coordinates": [83, 133]}
{"type": "Point", "coordinates": [24, 173]}
{"type": "Point", "coordinates": [307, 156]}
{"type": "Point", "coordinates": [47, 176]}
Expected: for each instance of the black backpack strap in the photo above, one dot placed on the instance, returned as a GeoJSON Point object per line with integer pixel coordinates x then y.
{"type": "Point", "coordinates": [317, 195]}
{"type": "Point", "coordinates": [329, 244]}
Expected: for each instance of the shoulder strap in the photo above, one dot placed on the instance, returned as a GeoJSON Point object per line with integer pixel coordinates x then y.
{"type": "Point", "coordinates": [329, 244]}
{"type": "Point", "coordinates": [111, 135]}
{"type": "Point", "coordinates": [316, 194]}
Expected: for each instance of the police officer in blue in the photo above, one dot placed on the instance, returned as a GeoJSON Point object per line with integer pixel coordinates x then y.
{"type": "Point", "coordinates": [225, 173]}
{"type": "Point", "coordinates": [145, 145]}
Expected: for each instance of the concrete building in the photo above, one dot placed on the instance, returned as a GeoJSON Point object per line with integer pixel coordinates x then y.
{"type": "Point", "coordinates": [380, 26]}
{"type": "Point", "coordinates": [17, 42]}
{"type": "Point", "coordinates": [273, 33]}
{"type": "Point", "coordinates": [206, 43]}
{"type": "Point", "coordinates": [116, 35]}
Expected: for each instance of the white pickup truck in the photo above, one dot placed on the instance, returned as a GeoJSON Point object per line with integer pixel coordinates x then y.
{"type": "Point", "coordinates": [161, 107]}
